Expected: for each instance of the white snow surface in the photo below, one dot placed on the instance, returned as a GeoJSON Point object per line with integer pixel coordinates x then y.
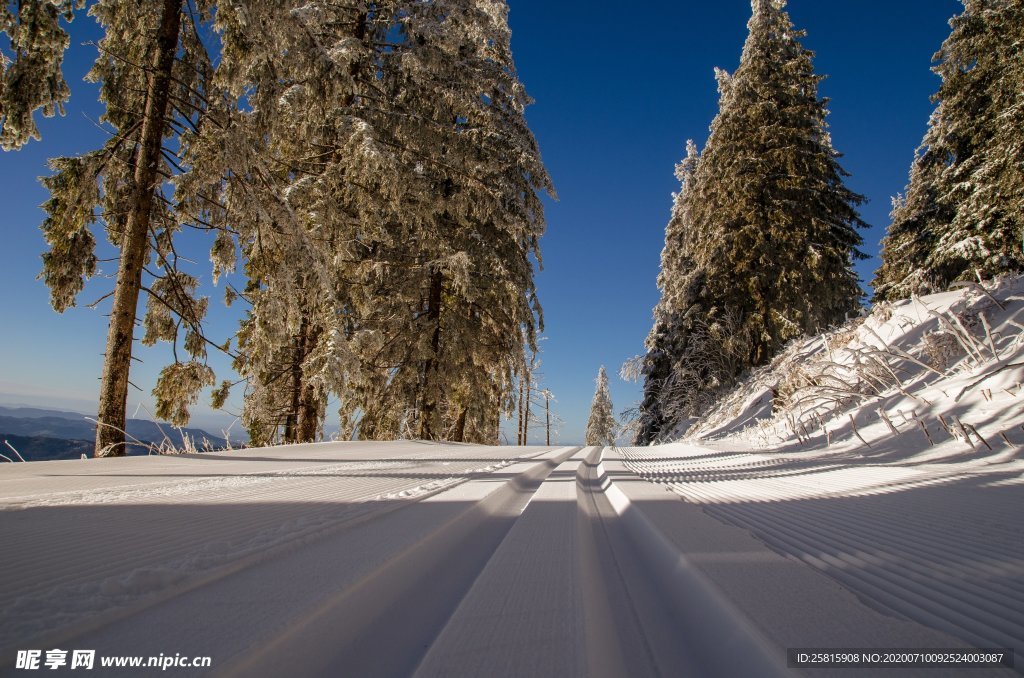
{"type": "Point", "coordinates": [428, 559]}
{"type": "Point", "coordinates": [891, 459]}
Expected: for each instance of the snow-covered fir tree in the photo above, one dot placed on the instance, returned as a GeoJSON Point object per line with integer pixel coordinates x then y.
{"type": "Point", "coordinates": [154, 75]}
{"type": "Point", "coordinates": [305, 172]}
{"type": "Point", "coordinates": [368, 164]}
{"type": "Point", "coordinates": [402, 171]}
{"type": "Point", "coordinates": [778, 228]}
{"type": "Point", "coordinates": [760, 246]}
{"type": "Point", "coordinates": [963, 212]}
{"type": "Point", "coordinates": [450, 290]}
{"type": "Point", "coordinates": [660, 363]}
{"type": "Point", "coordinates": [601, 423]}
{"type": "Point", "coordinates": [916, 218]}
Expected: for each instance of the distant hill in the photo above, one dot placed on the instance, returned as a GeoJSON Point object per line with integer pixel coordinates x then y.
{"type": "Point", "coordinates": [35, 412]}
{"type": "Point", "coordinates": [42, 448]}
{"type": "Point", "coordinates": [56, 434]}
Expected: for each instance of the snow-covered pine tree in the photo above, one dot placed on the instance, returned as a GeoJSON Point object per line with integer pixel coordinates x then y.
{"type": "Point", "coordinates": [154, 74]}
{"type": "Point", "coordinates": [917, 218]}
{"type": "Point", "coordinates": [315, 188]}
{"type": "Point", "coordinates": [778, 227]}
{"type": "Point", "coordinates": [405, 180]}
{"type": "Point", "coordinates": [450, 293]}
{"type": "Point", "coordinates": [601, 424]}
{"type": "Point", "coordinates": [32, 77]}
{"type": "Point", "coordinates": [666, 335]}
{"type": "Point", "coordinates": [760, 246]}
{"type": "Point", "coordinates": [963, 214]}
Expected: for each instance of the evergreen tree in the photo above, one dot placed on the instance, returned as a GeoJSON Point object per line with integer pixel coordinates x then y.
{"type": "Point", "coordinates": [916, 219]}
{"type": "Point", "coordinates": [677, 299]}
{"type": "Point", "coordinates": [601, 424]}
{"type": "Point", "coordinates": [778, 227]}
{"type": "Point", "coordinates": [154, 73]}
{"type": "Point", "coordinates": [760, 246]}
{"type": "Point", "coordinates": [305, 170]}
{"type": "Point", "coordinates": [962, 213]}
{"type": "Point", "coordinates": [456, 270]}
{"type": "Point", "coordinates": [370, 165]}
{"type": "Point", "coordinates": [405, 179]}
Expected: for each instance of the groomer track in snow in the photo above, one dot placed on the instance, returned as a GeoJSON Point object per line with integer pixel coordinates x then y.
{"type": "Point", "coordinates": [396, 559]}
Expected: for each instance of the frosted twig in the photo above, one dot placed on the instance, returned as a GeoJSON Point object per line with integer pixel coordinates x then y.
{"type": "Point", "coordinates": [888, 422]}
{"type": "Point", "coordinates": [978, 435]}
{"type": "Point", "coordinates": [856, 432]}
{"type": "Point", "coordinates": [988, 335]}
{"type": "Point", "coordinates": [148, 446]}
{"type": "Point", "coordinates": [900, 353]}
{"type": "Point", "coordinates": [885, 346]}
{"type": "Point", "coordinates": [966, 343]}
{"type": "Point", "coordinates": [963, 430]}
{"type": "Point", "coordinates": [988, 376]}
{"type": "Point", "coordinates": [166, 439]}
{"type": "Point", "coordinates": [978, 286]}
{"type": "Point", "coordinates": [926, 433]}
{"type": "Point", "coordinates": [949, 429]}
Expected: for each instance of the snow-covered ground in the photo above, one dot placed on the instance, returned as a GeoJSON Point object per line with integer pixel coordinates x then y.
{"type": "Point", "coordinates": [396, 559]}
{"type": "Point", "coordinates": [888, 455]}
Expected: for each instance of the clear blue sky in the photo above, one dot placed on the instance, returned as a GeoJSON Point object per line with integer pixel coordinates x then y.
{"type": "Point", "coordinates": [619, 89]}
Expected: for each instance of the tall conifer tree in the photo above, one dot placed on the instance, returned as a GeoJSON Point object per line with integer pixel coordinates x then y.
{"type": "Point", "coordinates": [963, 211]}
{"type": "Point", "coordinates": [766, 230]}
{"type": "Point", "coordinates": [778, 227]}
{"type": "Point", "coordinates": [601, 424]}
{"type": "Point", "coordinates": [154, 73]}
{"type": "Point", "coordinates": [398, 152]}
{"type": "Point", "coordinates": [459, 309]}
{"type": "Point", "coordinates": [661, 362]}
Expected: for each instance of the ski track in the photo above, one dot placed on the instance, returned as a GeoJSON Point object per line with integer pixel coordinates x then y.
{"type": "Point", "coordinates": [398, 559]}
{"type": "Point", "coordinates": [934, 543]}
{"type": "Point", "coordinates": [166, 550]}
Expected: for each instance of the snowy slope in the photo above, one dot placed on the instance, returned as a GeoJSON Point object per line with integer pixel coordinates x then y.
{"type": "Point", "coordinates": [916, 373]}
{"type": "Point", "coordinates": [397, 559]}
{"type": "Point", "coordinates": [887, 455]}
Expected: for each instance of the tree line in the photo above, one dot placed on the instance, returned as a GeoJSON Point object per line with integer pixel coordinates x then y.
{"type": "Point", "coordinates": [763, 233]}
{"type": "Point", "coordinates": [366, 165]}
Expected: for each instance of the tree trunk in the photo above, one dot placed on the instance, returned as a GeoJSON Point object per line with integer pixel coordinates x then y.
{"type": "Point", "coordinates": [519, 431]}
{"type": "Point", "coordinates": [113, 401]}
{"type": "Point", "coordinates": [547, 418]}
{"type": "Point", "coordinates": [309, 401]}
{"type": "Point", "coordinates": [526, 412]}
{"type": "Point", "coordinates": [291, 422]}
{"type": "Point", "coordinates": [459, 435]}
{"type": "Point", "coordinates": [429, 387]}
{"type": "Point", "coordinates": [497, 425]}
{"type": "Point", "coordinates": [309, 415]}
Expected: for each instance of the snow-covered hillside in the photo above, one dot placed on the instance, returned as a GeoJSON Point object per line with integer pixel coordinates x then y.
{"type": "Point", "coordinates": [888, 455]}
{"type": "Point", "coordinates": [937, 375]}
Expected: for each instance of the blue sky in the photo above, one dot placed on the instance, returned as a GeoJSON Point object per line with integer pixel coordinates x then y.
{"type": "Point", "coordinates": [617, 93]}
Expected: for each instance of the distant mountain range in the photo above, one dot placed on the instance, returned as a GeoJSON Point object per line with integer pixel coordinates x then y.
{"type": "Point", "coordinates": [41, 435]}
